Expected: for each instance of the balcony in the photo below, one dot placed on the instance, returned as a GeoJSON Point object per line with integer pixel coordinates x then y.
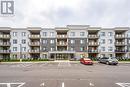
{"type": "Point", "coordinates": [120, 36]}
{"type": "Point", "coordinates": [5, 36]}
{"type": "Point", "coordinates": [121, 51]}
{"type": "Point", "coordinates": [93, 44]}
{"type": "Point", "coordinates": [93, 36]}
{"type": "Point", "coordinates": [61, 36]}
{"type": "Point", "coordinates": [5, 44]}
{"type": "Point", "coordinates": [5, 51]}
{"type": "Point", "coordinates": [93, 51]}
{"type": "Point", "coordinates": [62, 44]}
{"type": "Point", "coordinates": [120, 43]}
{"type": "Point", "coordinates": [34, 36]}
{"type": "Point", "coordinates": [34, 51]}
{"type": "Point", "coordinates": [34, 43]}
{"type": "Point", "coordinates": [65, 51]}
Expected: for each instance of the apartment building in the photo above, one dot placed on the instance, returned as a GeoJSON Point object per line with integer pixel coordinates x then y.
{"type": "Point", "coordinates": [64, 43]}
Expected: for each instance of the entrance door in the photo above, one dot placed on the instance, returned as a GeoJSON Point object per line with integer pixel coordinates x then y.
{"type": "Point", "coordinates": [61, 56]}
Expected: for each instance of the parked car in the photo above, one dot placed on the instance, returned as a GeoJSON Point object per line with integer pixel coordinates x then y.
{"type": "Point", "coordinates": [86, 61]}
{"type": "Point", "coordinates": [109, 60]}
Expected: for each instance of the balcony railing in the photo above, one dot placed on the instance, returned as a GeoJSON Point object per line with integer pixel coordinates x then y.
{"type": "Point", "coordinates": [93, 43]}
{"type": "Point", "coordinates": [93, 36]}
{"type": "Point", "coordinates": [6, 36]}
{"type": "Point", "coordinates": [93, 51]}
{"type": "Point", "coordinates": [64, 51]}
{"type": "Point", "coordinates": [5, 51]}
{"type": "Point", "coordinates": [120, 43]}
{"type": "Point", "coordinates": [5, 44]}
{"type": "Point", "coordinates": [121, 51]}
{"type": "Point", "coordinates": [34, 36]}
{"type": "Point", "coordinates": [34, 43]}
{"type": "Point", "coordinates": [61, 36]}
{"type": "Point", "coordinates": [119, 36]}
{"type": "Point", "coordinates": [62, 44]}
{"type": "Point", "coordinates": [34, 51]}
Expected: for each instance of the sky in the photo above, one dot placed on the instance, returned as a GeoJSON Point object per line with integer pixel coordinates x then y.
{"type": "Point", "coordinates": [59, 13]}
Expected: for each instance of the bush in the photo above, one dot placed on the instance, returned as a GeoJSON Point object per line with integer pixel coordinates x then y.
{"type": "Point", "coordinates": [94, 58]}
{"type": "Point", "coordinates": [24, 60]}
{"type": "Point", "coordinates": [31, 59]}
{"type": "Point", "coordinates": [121, 59]}
{"type": "Point", "coordinates": [10, 60]}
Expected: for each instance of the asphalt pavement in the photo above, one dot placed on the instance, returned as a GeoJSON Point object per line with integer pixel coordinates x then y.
{"type": "Point", "coordinates": [64, 74]}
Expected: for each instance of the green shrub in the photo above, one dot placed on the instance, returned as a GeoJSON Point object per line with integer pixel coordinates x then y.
{"type": "Point", "coordinates": [31, 59]}
{"type": "Point", "coordinates": [10, 60]}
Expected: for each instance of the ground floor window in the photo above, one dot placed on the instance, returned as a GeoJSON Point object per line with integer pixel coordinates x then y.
{"type": "Point", "coordinates": [102, 55]}
{"type": "Point", "coordinates": [15, 56]}
{"type": "Point", "coordinates": [110, 55]}
{"type": "Point", "coordinates": [23, 55]}
{"type": "Point", "coordinates": [44, 56]}
{"type": "Point", "coordinates": [81, 55]}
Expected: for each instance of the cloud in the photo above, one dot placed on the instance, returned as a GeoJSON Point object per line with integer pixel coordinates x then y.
{"type": "Point", "coordinates": [53, 13]}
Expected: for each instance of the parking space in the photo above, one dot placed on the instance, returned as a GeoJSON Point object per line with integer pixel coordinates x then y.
{"type": "Point", "coordinates": [64, 74]}
{"type": "Point", "coordinates": [66, 83]}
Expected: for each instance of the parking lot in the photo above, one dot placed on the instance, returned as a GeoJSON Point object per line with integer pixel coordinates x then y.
{"type": "Point", "coordinates": [64, 74]}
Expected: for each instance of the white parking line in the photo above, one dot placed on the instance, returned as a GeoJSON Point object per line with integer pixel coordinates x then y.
{"type": "Point", "coordinates": [59, 64]}
{"type": "Point", "coordinates": [21, 65]}
{"type": "Point", "coordinates": [63, 85]}
{"type": "Point", "coordinates": [91, 84]}
{"type": "Point", "coordinates": [66, 63]}
{"type": "Point", "coordinates": [42, 64]}
{"type": "Point", "coordinates": [9, 84]}
{"type": "Point", "coordinates": [43, 84]}
{"type": "Point", "coordinates": [123, 84]}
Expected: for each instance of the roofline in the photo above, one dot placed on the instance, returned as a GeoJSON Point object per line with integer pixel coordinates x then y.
{"type": "Point", "coordinates": [77, 25]}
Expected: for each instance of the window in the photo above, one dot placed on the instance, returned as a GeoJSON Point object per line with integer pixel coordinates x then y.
{"type": "Point", "coordinates": [129, 42]}
{"type": "Point", "coordinates": [23, 33]}
{"type": "Point", "coordinates": [44, 33]}
{"type": "Point", "coordinates": [72, 34]}
{"type": "Point", "coordinates": [44, 41]}
{"type": "Point", "coordinates": [23, 55]}
{"type": "Point", "coordinates": [52, 48]}
{"type": "Point", "coordinates": [51, 33]}
{"type": "Point", "coordinates": [15, 56]}
{"type": "Point", "coordinates": [102, 55]}
{"type": "Point", "coordinates": [44, 48]}
{"type": "Point", "coordinates": [44, 56]}
{"type": "Point", "coordinates": [52, 41]}
{"type": "Point", "coordinates": [14, 48]}
{"type": "Point", "coordinates": [81, 55]}
{"type": "Point", "coordinates": [81, 41]}
{"type": "Point", "coordinates": [110, 41]}
{"type": "Point", "coordinates": [72, 48]}
{"type": "Point", "coordinates": [110, 49]}
{"type": "Point", "coordinates": [110, 33]}
{"type": "Point", "coordinates": [72, 41]}
{"type": "Point", "coordinates": [23, 48]}
{"type": "Point", "coordinates": [14, 33]}
{"type": "Point", "coordinates": [81, 48]}
{"type": "Point", "coordinates": [110, 55]}
{"type": "Point", "coordinates": [82, 33]}
{"type": "Point", "coordinates": [102, 48]}
{"type": "Point", "coordinates": [102, 33]}
{"type": "Point", "coordinates": [15, 41]}
{"type": "Point", "coordinates": [129, 34]}
{"type": "Point", "coordinates": [102, 41]}
{"type": "Point", "coordinates": [23, 41]}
